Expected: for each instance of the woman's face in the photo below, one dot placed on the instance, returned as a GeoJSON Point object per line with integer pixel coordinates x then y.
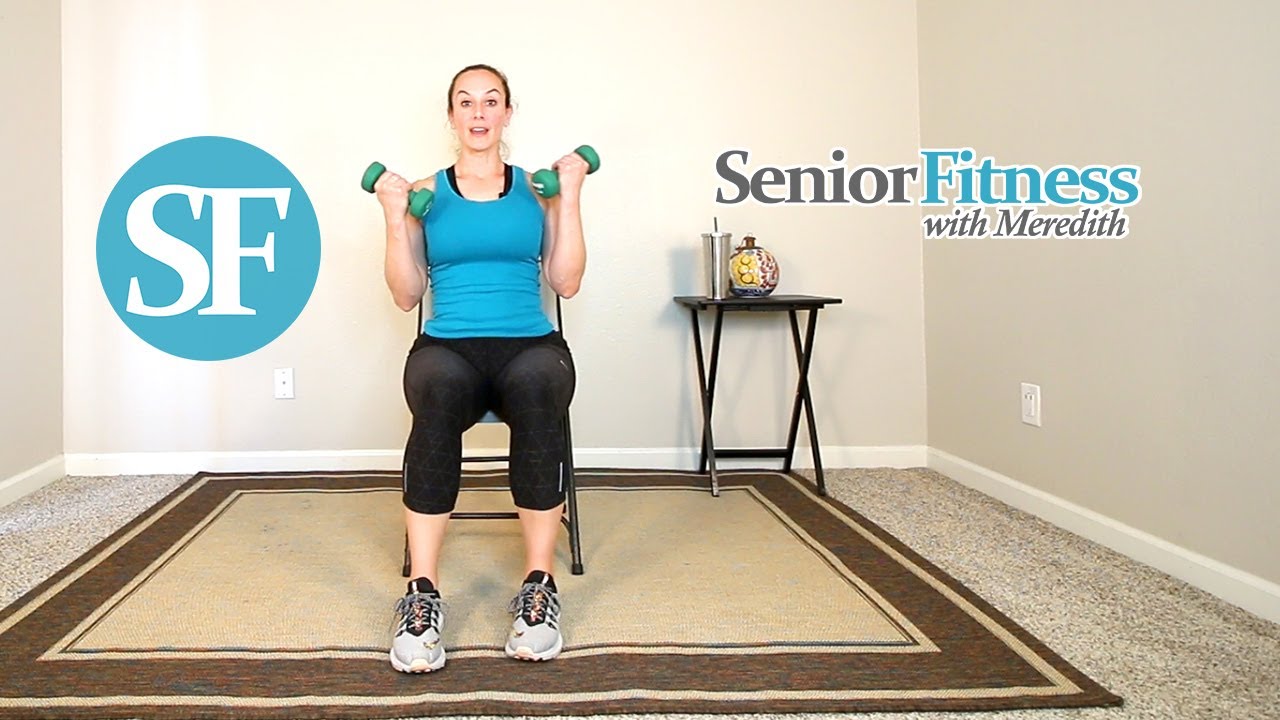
{"type": "Point", "coordinates": [479, 110]}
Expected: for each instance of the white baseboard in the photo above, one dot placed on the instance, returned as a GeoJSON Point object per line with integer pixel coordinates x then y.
{"type": "Point", "coordinates": [88, 464]}
{"type": "Point", "coordinates": [189, 463]}
{"type": "Point", "coordinates": [1250, 592]}
{"type": "Point", "coordinates": [28, 481]}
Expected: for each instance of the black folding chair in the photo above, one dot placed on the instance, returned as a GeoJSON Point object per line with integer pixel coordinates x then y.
{"type": "Point", "coordinates": [570, 518]}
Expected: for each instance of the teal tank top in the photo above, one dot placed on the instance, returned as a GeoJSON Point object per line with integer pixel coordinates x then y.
{"type": "Point", "coordinates": [484, 263]}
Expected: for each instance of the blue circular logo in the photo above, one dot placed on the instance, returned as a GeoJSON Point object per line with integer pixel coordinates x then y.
{"type": "Point", "coordinates": [208, 248]}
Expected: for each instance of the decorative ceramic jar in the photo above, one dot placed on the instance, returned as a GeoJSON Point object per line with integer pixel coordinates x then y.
{"type": "Point", "coordinates": [753, 271]}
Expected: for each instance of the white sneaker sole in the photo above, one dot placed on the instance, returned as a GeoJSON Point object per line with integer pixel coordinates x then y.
{"type": "Point", "coordinates": [523, 652]}
{"type": "Point", "coordinates": [419, 665]}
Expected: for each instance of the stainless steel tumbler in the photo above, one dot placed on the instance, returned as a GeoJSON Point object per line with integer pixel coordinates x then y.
{"type": "Point", "coordinates": [715, 257]}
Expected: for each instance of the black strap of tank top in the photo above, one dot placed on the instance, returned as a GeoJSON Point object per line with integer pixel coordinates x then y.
{"type": "Point", "coordinates": [506, 185]}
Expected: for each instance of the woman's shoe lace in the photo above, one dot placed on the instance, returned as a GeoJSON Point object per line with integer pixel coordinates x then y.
{"type": "Point", "coordinates": [420, 611]}
{"type": "Point", "coordinates": [533, 603]}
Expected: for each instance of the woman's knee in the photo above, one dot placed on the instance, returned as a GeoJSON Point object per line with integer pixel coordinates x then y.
{"type": "Point", "coordinates": [440, 379]}
{"type": "Point", "coordinates": [540, 377]}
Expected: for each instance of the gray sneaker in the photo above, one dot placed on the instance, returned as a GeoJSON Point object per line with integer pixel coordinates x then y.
{"type": "Point", "coordinates": [535, 634]}
{"type": "Point", "coordinates": [417, 647]}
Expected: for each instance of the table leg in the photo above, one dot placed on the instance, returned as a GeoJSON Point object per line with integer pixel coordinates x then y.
{"type": "Point", "coordinates": [793, 425]}
{"type": "Point", "coordinates": [804, 356]}
{"type": "Point", "coordinates": [710, 389]}
{"type": "Point", "coordinates": [708, 443]}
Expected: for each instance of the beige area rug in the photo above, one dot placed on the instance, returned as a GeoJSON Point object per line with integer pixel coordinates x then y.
{"type": "Point", "coordinates": [270, 595]}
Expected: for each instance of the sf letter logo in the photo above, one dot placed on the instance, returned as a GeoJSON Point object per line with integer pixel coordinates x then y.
{"type": "Point", "coordinates": [148, 237]}
{"type": "Point", "coordinates": [208, 248]}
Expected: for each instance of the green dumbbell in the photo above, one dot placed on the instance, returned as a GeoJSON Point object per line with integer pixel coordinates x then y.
{"type": "Point", "coordinates": [547, 182]}
{"type": "Point", "coordinates": [419, 200]}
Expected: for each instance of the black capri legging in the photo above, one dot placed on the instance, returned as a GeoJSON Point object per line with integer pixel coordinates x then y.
{"type": "Point", "coordinates": [450, 383]}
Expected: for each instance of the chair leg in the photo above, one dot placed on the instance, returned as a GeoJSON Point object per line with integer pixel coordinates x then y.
{"type": "Point", "coordinates": [571, 486]}
{"type": "Point", "coordinates": [404, 572]}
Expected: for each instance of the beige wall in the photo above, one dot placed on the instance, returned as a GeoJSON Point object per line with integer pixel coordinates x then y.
{"type": "Point", "coordinates": [329, 86]}
{"type": "Point", "coordinates": [1156, 353]}
{"type": "Point", "coordinates": [30, 233]}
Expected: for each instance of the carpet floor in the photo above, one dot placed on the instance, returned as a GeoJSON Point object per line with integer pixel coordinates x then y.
{"type": "Point", "coordinates": [1169, 650]}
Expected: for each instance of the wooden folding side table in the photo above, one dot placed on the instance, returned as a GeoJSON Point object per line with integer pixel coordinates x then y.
{"type": "Point", "coordinates": [791, 304]}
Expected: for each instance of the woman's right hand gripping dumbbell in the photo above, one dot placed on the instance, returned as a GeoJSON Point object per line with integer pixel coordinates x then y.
{"type": "Point", "coordinates": [392, 192]}
{"type": "Point", "coordinates": [395, 193]}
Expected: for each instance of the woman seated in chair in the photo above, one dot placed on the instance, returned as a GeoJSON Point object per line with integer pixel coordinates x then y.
{"type": "Point", "coordinates": [487, 345]}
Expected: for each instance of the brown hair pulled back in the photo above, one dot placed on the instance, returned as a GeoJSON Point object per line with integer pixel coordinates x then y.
{"type": "Point", "coordinates": [506, 88]}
